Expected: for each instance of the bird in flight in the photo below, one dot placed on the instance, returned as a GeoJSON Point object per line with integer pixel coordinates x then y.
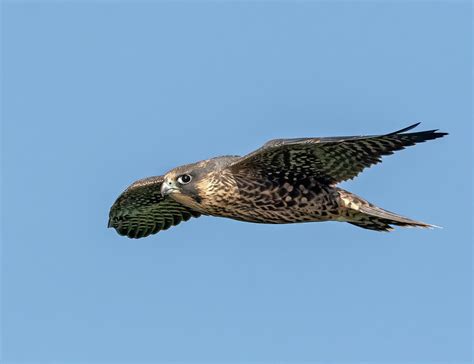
{"type": "Point", "coordinates": [284, 181]}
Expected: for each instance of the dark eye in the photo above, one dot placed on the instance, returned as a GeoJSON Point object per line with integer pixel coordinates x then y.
{"type": "Point", "coordinates": [185, 178]}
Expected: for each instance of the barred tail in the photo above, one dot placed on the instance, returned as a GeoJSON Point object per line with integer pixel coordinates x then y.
{"type": "Point", "coordinates": [363, 214]}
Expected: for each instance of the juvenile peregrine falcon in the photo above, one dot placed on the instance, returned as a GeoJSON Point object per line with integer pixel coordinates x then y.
{"type": "Point", "coordinates": [285, 181]}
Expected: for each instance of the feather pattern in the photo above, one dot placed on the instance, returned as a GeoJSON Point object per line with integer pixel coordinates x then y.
{"type": "Point", "coordinates": [284, 181]}
{"type": "Point", "coordinates": [141, 210]}
{"type": "Point", "coordinates": [330, 160]}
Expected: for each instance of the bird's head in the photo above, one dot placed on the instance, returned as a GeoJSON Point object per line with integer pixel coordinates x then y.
{"type": "Point", "coordinates": [189, 184]}
{"type": "Point", "coordinates": [182, 184]}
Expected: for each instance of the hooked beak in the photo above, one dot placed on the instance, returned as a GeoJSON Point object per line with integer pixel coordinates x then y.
{"type": "Point", "coordinates": [167, 188]}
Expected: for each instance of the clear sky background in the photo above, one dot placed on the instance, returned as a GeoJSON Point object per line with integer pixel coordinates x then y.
{"type": "Point", "coordinates": [98, 94]}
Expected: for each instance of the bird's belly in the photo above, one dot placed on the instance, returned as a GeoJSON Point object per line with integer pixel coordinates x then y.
{"type": "Point", "coordinates": [276, 209]}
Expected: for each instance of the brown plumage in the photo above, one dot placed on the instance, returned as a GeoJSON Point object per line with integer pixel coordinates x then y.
{"type": "Point", "coordinates": [285, 181]}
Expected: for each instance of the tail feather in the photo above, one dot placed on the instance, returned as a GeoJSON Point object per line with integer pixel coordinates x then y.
{"type": "Point", "coordinates": [368, 216]}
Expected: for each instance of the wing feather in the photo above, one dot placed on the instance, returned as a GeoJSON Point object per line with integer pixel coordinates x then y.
{"type": "Point", "coordinates": [141, 210]}
{"type": "Point", "coordinates": [329, 160]}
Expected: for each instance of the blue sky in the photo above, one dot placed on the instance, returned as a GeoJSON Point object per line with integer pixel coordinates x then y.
{"type": "Point", "coordinates": [98, 94]}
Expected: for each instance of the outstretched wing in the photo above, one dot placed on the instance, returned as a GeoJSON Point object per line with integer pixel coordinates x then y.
{"type": "Point", "coordinates": [141, 210]}
{"type": "Point", "coordinates": [329, 160]}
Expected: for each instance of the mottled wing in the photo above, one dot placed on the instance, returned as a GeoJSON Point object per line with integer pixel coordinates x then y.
{"type": "Point", "coordinates": [329, 160]}
{"type": "Point", "coordinates": [141, 210]}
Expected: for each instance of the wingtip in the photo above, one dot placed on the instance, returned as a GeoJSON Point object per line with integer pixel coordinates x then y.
{"type": "Point", "coordinates": [413, 126]}
{"type": "Point", "coordinates": [433, 134]}
{"type": "Point", "coordinates": [440, 133]}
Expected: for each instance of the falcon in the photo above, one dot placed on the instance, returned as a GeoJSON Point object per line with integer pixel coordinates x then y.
{"type": "Point", "coordinates": [284, 181]}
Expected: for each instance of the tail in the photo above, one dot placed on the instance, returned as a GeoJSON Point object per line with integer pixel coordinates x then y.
{"type": "Point", "coordinates": [359, 212]}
